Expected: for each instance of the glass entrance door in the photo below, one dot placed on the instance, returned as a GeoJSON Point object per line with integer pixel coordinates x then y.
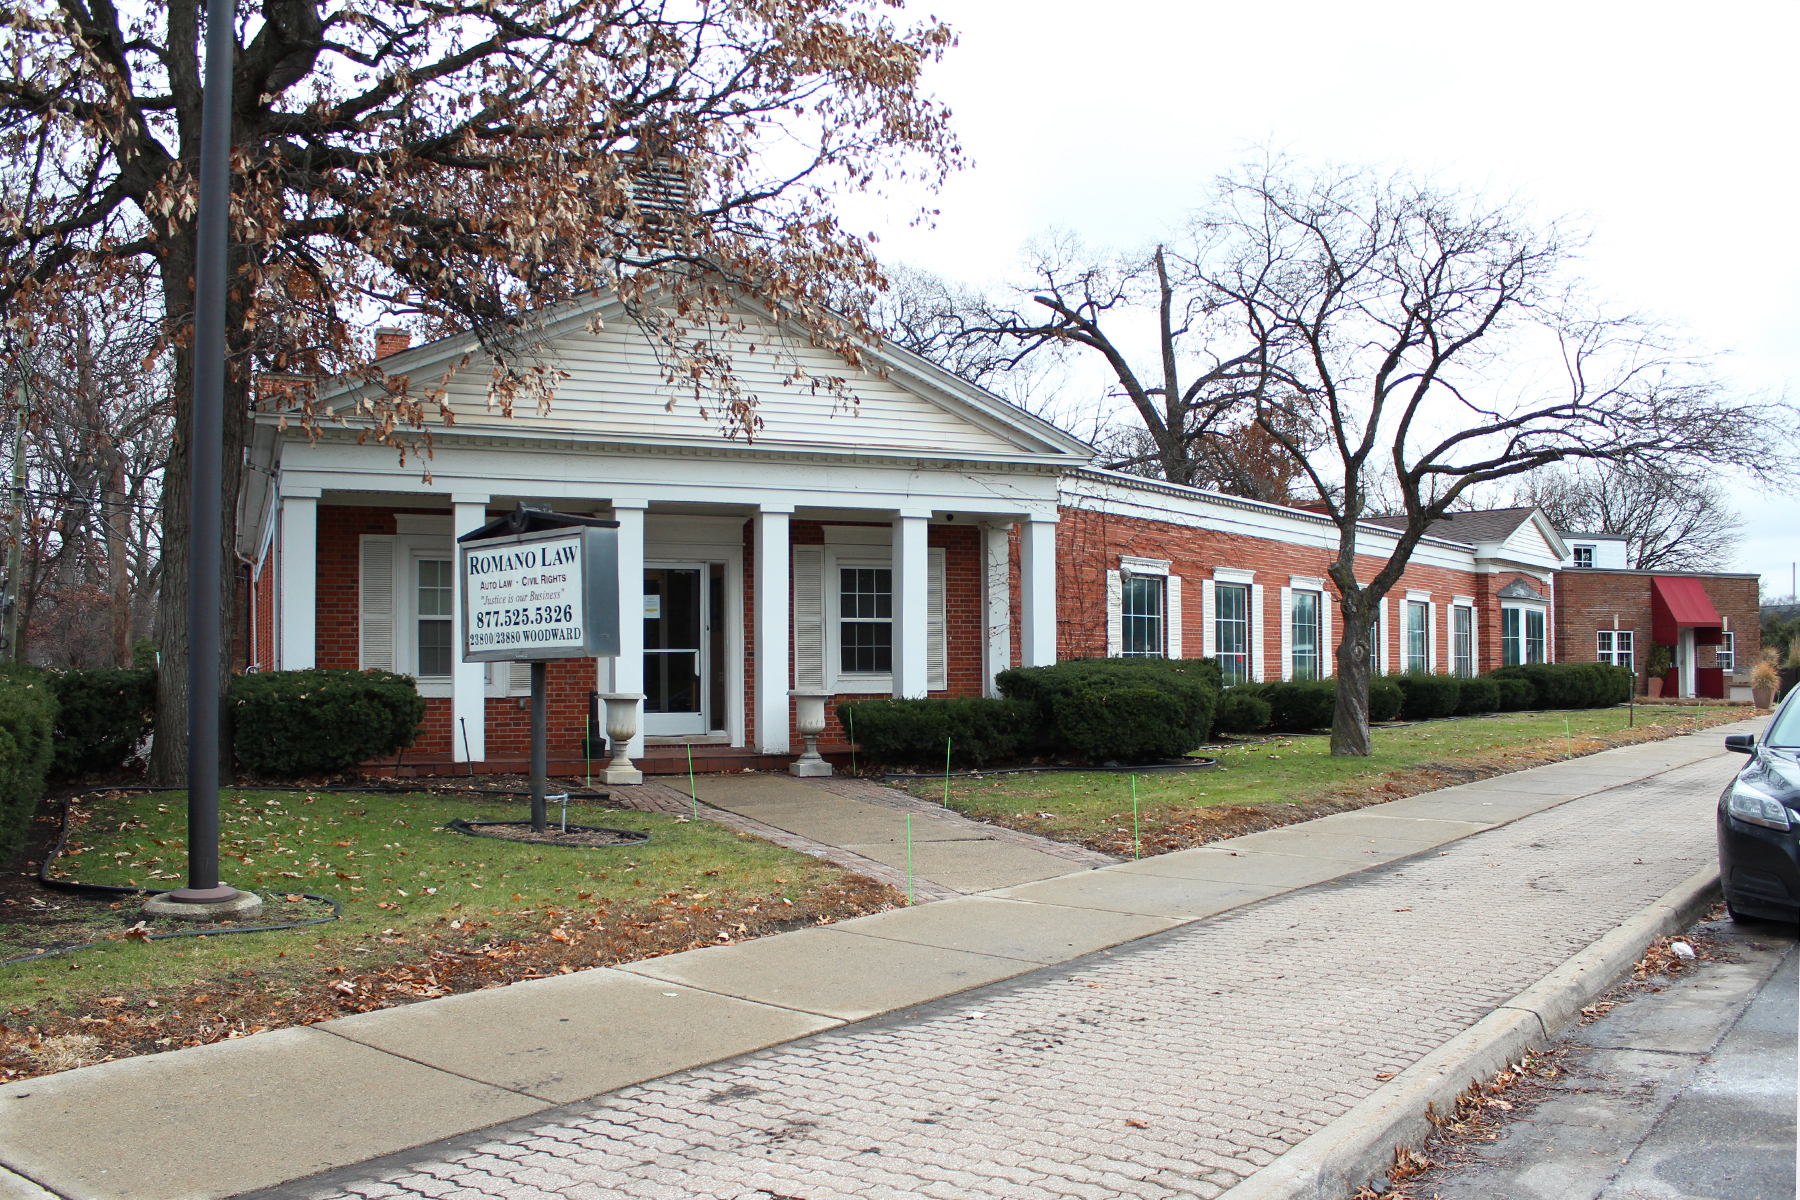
{"type": "Point", "coordinates": [676, 622]}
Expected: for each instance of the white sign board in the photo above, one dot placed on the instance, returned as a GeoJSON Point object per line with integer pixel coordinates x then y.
{"type": "Point", "coordinates": [552, 594]}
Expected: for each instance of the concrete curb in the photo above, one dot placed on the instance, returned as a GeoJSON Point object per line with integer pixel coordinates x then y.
{"type": "Point", "coordinates": [1360, 1145]}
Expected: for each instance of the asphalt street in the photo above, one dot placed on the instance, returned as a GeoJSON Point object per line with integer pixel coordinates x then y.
{"type": "Point", "coordinates": [1687, 1093]}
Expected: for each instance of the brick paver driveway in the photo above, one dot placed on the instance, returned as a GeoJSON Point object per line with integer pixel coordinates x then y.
{"type": "Point", "coordinates": [1174, 1066]}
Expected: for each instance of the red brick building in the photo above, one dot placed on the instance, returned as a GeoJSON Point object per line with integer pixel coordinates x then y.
{"type": "Point", "coordinates": [915, 542]}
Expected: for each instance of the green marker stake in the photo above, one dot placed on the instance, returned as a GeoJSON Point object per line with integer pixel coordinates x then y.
{"type": "Point", "coordinates": [1568, 733]}
{"type": "Point", "coordinates": [909, 887]}
{"type": "Point", "coordinates": [1135, 845]}
{"type": "Point", "coordinates": [946, 772]}
{"type": "Point", "coordinates": [693, 796]}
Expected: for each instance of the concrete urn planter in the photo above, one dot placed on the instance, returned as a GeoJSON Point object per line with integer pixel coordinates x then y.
{"type": "Point", "coordinates": [809, 718]}
{"type": "Point", "coordinates": [621, 727]}
{"type": "Point", "coordinates": [1654, 686]}
{"type": "Point", "coordinates": [1762, 697]}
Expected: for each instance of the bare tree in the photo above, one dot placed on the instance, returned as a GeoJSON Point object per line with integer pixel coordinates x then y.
{"type": "Point", "coordinates": [466, 164]}
{"type": "Point", "coordinates": [93, 397]}
{"type": "Point", "coordinates": [1411, 324]}
{"type": "Point", "coordinates": [1161, 339]}
{"type": "Point", "coordinates": [1671, 520]}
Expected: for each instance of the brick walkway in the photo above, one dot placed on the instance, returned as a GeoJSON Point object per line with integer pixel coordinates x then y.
{"type": "Point", "coordinates": [652, 796]}
{"type": "Point", "coordinates": [1174, 1066]}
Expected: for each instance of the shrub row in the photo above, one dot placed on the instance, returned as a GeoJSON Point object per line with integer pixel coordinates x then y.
{"type": "Point", "coordinates": [27, 733]}
{"type": "Point", "coordinates": [1572, 685]}
{"type": "Point", "coordinates": [1098, 710]}
{"type": "Point", "coordinates": [296, 723]}
{"type": "Point", "coordinates": [103, 717]}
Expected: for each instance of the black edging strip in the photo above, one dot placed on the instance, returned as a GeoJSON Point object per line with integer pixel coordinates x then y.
{"type": "Point", "coordinates": [337, 910]}
{"type": "Point", "coordinates": [633, 837]}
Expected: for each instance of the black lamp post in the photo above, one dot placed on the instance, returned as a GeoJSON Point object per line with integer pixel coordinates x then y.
{"type": "Point", "coordinates": [205, 455]}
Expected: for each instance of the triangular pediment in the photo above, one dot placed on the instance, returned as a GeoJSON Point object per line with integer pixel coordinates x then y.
{"type": "Point", "coordinates": [614, 387]}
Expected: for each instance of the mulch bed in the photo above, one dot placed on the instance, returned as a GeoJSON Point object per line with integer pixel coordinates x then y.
{"type": "Point", "coordinates": [554, 835]}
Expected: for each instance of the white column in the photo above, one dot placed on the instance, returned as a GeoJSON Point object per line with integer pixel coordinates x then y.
{"type": "Point", "coordinates": [997, 541]}
{"type": "Point", "coordinates": [1037, 568]}
{"type": "Point", "coordinates": [299, 578]}
{"type": "Point", "coordinates": [468, 680]}
{"type": "Point", "coordinates": [911, 590]}
{"type": "Point", "coordinates": [628, 668]}
{"type": "Point", "coordinates": [773, 619]}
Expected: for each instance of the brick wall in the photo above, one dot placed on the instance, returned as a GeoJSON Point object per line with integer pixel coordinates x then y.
{"type": "Point", "coordinates": [1589, 601]}
{"type": "Point", "coordinates": [1089, 544]}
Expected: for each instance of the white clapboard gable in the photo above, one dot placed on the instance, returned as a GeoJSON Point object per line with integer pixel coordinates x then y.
{"type": "Point", "coordinates": [615, 389]}
{"type": "Point", "coordinates": [1528, 542]}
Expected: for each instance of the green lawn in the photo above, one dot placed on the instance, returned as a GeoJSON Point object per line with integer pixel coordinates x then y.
{"type": "Point", "coordinates": [408, 887]}
{"type": "Point", "coordinates": [1095, 808]}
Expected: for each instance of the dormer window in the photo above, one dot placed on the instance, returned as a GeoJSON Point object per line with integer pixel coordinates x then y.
{"type": "Point", "coordinates": [1584, 556]}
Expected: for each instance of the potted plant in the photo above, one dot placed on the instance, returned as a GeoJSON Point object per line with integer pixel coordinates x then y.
{"type": "Point", "coordinates": [1657, 666]}
{"type": "Point", "coordinates": [1764, 679]}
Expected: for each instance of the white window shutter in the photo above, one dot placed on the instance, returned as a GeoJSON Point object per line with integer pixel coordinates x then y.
{"type": "Point", "coordinates": [1287, 633]}
{"type": "Point", "coordinates": [518, 679]}
{"type": "Point", "coordinates": [1475, 642]}
{"type": "Point", "coordinates": [1327, 647]}
{"type": "Point", "coordinates": [1256, 632]}
{"type": "Point", "coordinates": [1115, 615]}
{"type": "Point", "coordinates": [1431, 638]}
{"type": "Point", "coordinates": [937, 657]}
{"type": "Point", "coordinates": [376, 603]}
{"type": "Point", "coordinates": [1174, 617]}
{"type": "Point", "coordinates": [1209, 619]}
{"type": "Point", "coordinates": [809, 617]}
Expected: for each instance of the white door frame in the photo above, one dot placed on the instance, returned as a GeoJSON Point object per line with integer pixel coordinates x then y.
{"type": "Point", "coordinates": [697, 723]}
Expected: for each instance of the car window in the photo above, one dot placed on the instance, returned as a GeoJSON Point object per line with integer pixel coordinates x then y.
{"type": "Point", "coordinates": [1784, 730]}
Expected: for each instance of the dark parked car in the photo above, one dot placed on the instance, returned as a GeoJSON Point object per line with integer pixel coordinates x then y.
{"type": "Point", "coordinates": [1759, 827]}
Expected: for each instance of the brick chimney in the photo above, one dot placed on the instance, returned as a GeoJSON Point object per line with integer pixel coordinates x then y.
{"type": "Point", "coordinates": [391, 339]}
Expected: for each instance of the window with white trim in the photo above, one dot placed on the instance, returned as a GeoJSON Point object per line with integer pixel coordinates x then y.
{"type": "Point", "coordinates": [1584, 556]}
{"type": "Point", "coordinates": [1141, 616]}
{"type": "Point", "coordinates": [1725, 653]}
{"type": "Point", "coordinates": [865, 620]}
{"type": "Point", "coordinates": [1231, 628]}
{"type": "Point", "coordinates": [1614, 647]}
{"type": "Point", "coordinates": [1305, 635]}
{"type": "Point", "coordinates": [435, 589]}
{"type": "Point", "coordinates": [1462, 622]}
{"type": "Point", "coordinates": [1418, 626]}
{"type": "Point", "coordinates": [1521, 635]}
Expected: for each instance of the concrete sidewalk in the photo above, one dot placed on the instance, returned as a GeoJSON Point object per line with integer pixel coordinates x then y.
{"type": "Point", "coordinates": [233, 1117]}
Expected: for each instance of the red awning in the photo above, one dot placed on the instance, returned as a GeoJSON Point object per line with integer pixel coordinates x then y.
{"type": "Point", "coordinates": [1678, 603]}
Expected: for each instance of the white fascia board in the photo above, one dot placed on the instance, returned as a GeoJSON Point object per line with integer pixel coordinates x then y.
{"type": "Point", "coordinates": [1153, 500]}
{"type": "Point", "coordinates": [339, 464]}
{"type": "Point", "coordinates": [1558, 547]}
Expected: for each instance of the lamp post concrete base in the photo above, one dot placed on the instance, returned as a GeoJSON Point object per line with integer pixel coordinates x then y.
{"type": "Point", "coordinates": [239, 906]}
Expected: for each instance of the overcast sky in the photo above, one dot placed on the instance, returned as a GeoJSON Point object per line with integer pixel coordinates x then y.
{"type": "Point", "coordinates": [1668, 130]}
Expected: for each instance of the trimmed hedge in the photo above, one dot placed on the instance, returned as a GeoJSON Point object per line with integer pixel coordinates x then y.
{"type": "Point", "coordinates": [1571, 685]}
{"type": "Point", "coordinates": [1301, 705]}
{"type": "Point", "coordinates": [297, 723]}
{"type": "Point", "coordinates": [1242, 709]}
{"type": "Point", "coordinates": [1515, 694]}
{"type": "Point", "coordinates": [1385, 699]}
{"type": "Point", "coordinates": [27, 734]}
{"type": "Point", "coordinates": [103, 715]}
{"type": "Point", "coordinates": [1425, 697]}
{"type": "Point", "coordinates": [913, 732]}
{"type": "Point", "coordinates": [1125, 709]}
{"type": "Point", "coordinates": [1480, 694]}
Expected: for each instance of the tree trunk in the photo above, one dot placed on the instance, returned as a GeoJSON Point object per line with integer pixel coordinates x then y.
{"type": "Point", "coordinates": [169, 751]}
{"type": "Point", "coordinates": [1350, 721]}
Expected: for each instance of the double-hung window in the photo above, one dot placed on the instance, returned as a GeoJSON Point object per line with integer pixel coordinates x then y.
{"type": "Point", "coordinates": [436, 585]}
{"type": "Point", "coordinates": [1614, 647]}
{"type": "Point", "coordinates": [1726, 653]}
{"type": "Point", "coordinates": [1231, 627]}
{"type": "Point", "coordinates": [1141, 616]}
{"type": "Point", "coordinates": [1462, 650]}
{"type": "Point", "coordinates": [1584, 556]}
{"type": "Point", "coordinates": [865, 620]}
{"type": "Point", "coordinates": [1417, 636]}
{"type": "Point", "coordinates": [1305, 635]}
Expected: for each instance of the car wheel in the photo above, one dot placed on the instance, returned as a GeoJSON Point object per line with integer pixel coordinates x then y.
{"type": "Point", "coordinates": [1740, 918]}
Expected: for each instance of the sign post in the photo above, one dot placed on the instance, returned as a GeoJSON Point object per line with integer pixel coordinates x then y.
{"type": "Point", "coordinates": [537, 586]}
